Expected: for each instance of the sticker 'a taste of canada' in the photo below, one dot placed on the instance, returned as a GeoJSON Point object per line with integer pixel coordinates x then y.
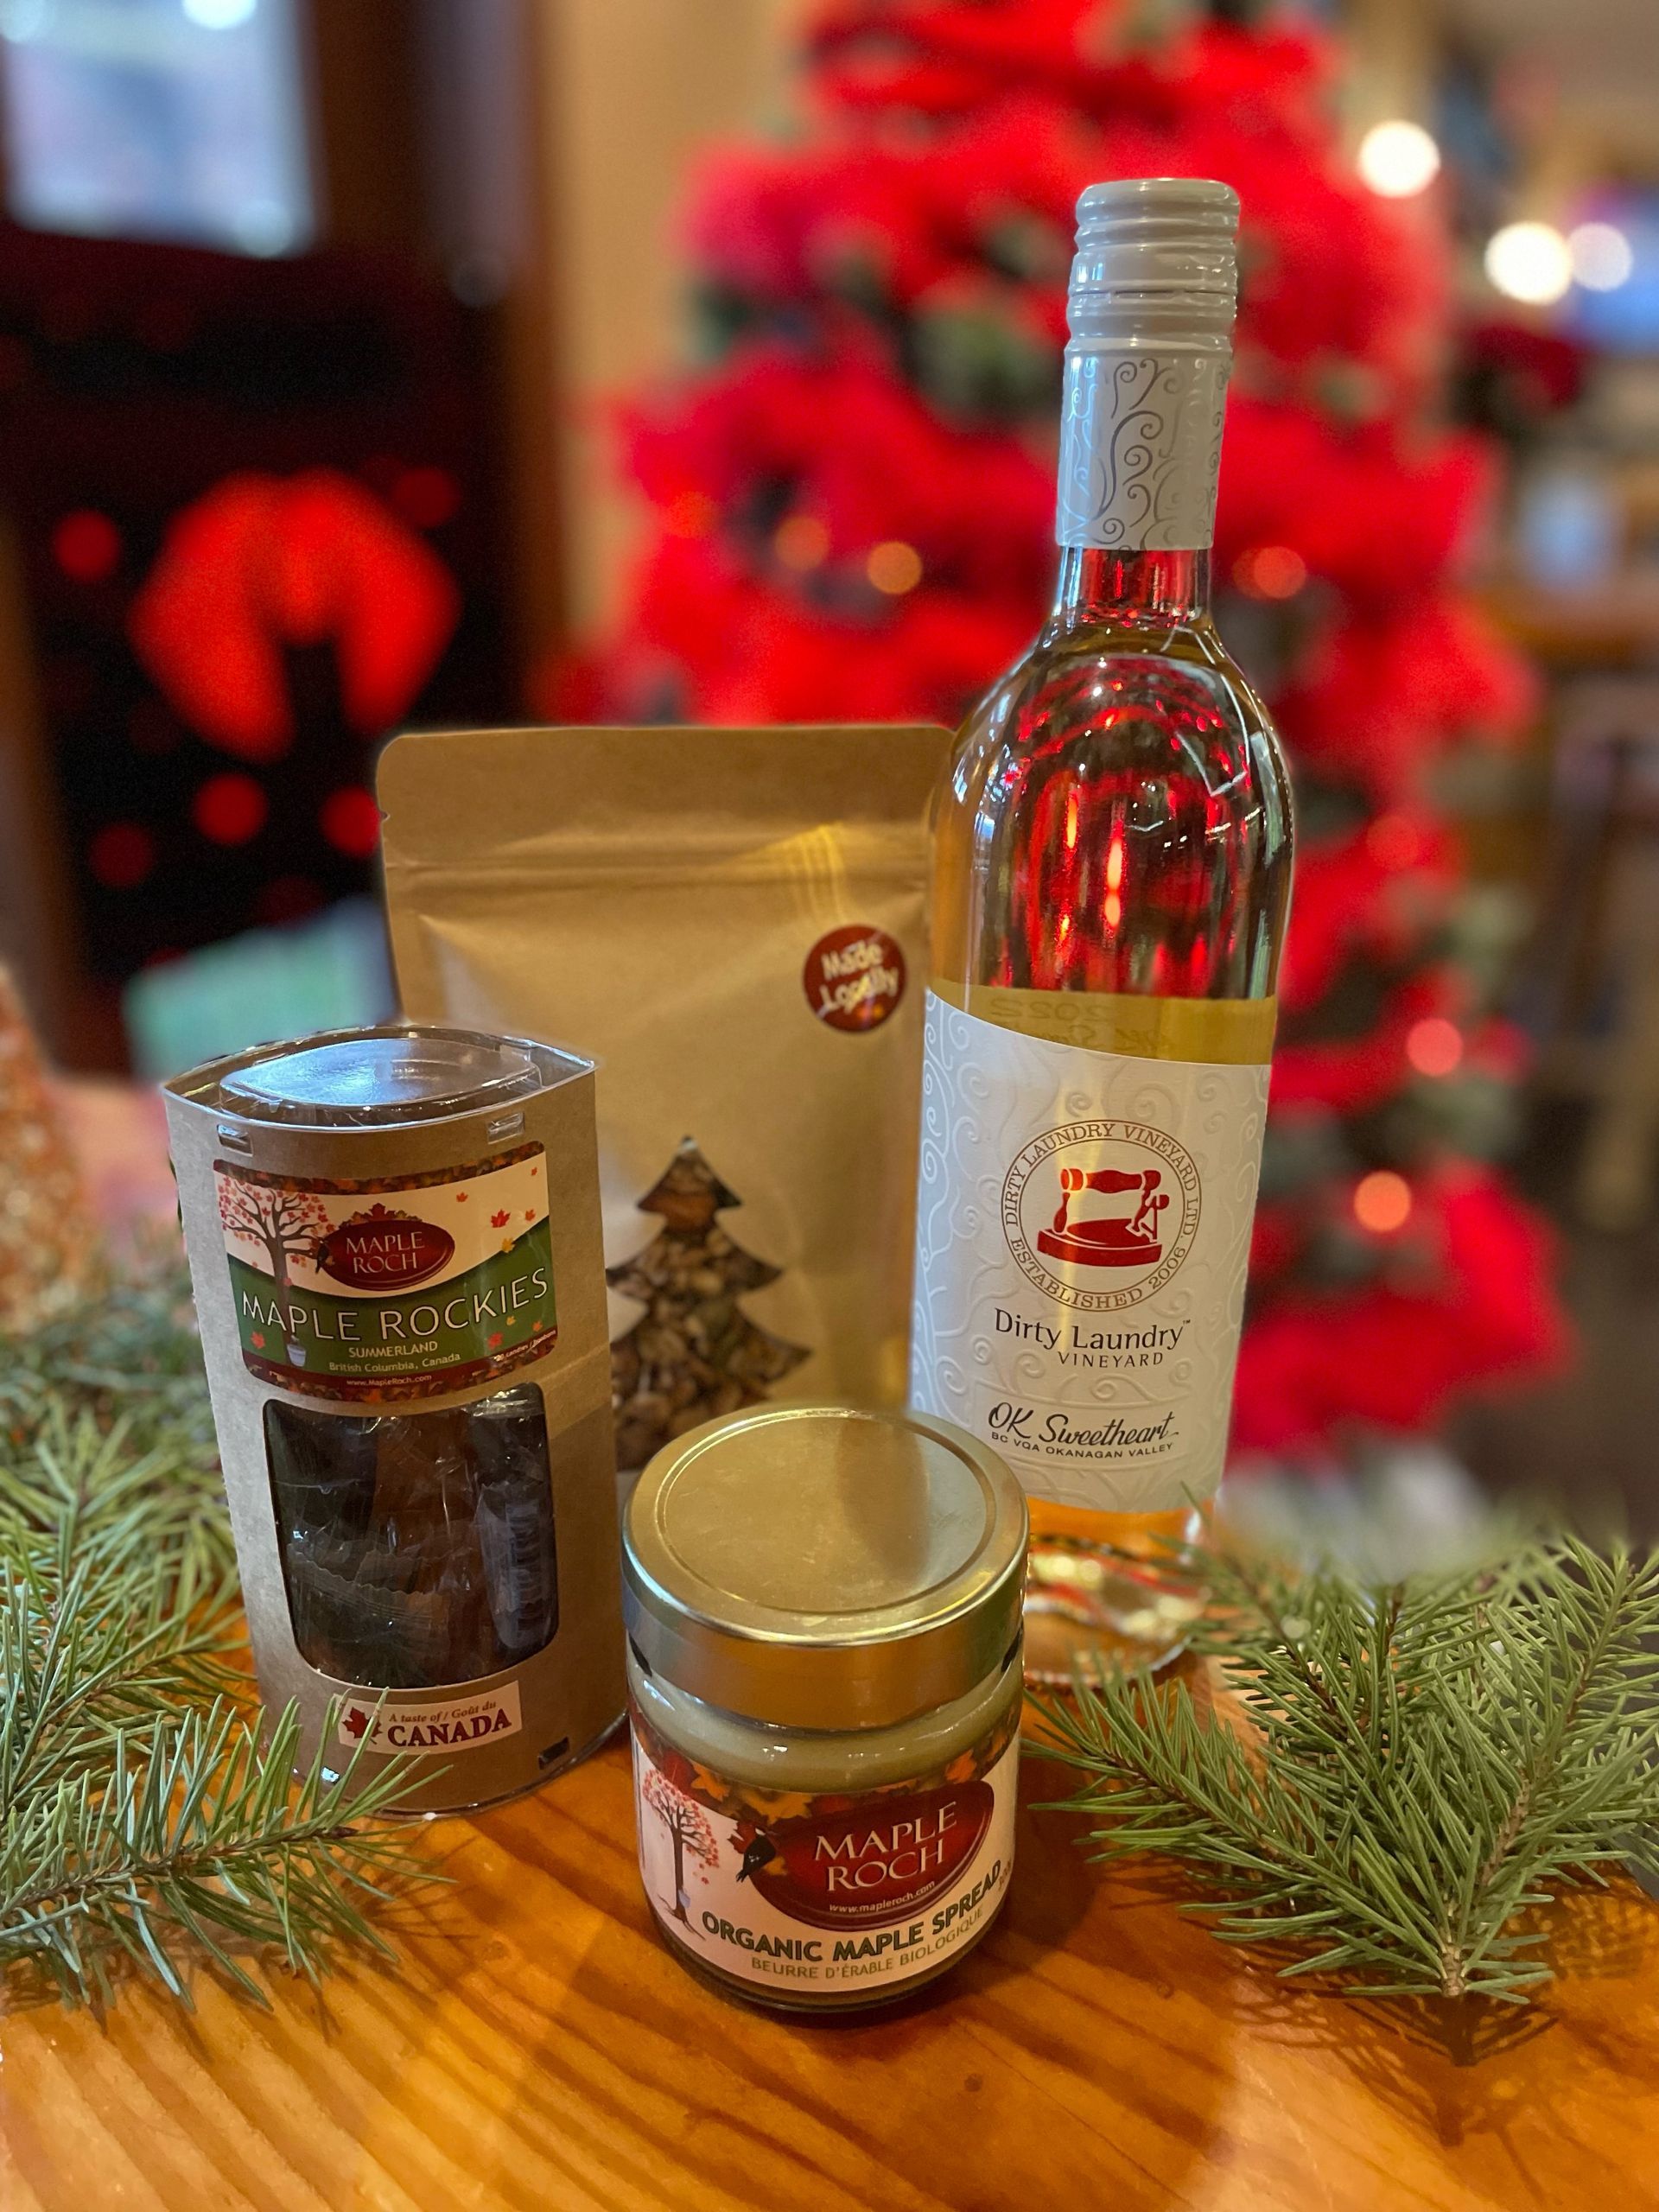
{"type": "Point", "coordinates": [392, 1290]}
{"type": "Point", "coordinates": [447, 1724]}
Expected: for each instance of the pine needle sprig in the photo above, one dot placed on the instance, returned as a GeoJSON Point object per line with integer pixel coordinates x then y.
{"type": "Point", "coordinates": [147, 1824]}
{"type": "Point", "coordinates": [1411, 1770]}
{"type": "Point", "coordinates": [192, 1843]}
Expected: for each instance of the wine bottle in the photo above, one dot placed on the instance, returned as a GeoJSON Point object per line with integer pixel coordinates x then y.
{"type": "Point", "coordinates": [1112, 866]}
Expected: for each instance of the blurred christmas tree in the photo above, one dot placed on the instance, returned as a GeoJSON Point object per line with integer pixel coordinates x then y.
{"type": "Point", "coordinates": [854, 500]}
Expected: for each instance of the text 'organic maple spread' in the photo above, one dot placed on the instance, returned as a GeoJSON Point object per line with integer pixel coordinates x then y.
{"type": "Point", "coordinates": [824, 1666]}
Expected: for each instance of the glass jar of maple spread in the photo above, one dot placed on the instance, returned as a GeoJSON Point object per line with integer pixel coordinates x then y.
{"type": "Point", "coordinates": [823, 1611]}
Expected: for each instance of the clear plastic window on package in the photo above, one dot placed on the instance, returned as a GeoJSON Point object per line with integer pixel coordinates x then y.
{"type": "Point", "coordinates": [417, 1549]}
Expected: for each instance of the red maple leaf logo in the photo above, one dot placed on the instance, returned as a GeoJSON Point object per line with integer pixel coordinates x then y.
{"type": "Point", "coordinates": [499, 1220]}
{"type": "Point", "coordinates": [461, 1198]}
{"type": "Point", "coordinates": [495, 1341]}
{"type": "Point", "coordinates": [357, 1722]}
{"type": "Point", "coordinates": [256, 1341]}
{"type": "Point", "coordinates": [529, 1213]}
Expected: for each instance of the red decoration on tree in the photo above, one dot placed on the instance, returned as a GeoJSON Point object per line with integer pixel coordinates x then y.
{"type": "Point", "coordinates": [854, 518]}
{"type": "Point", "coordinates": [257, 564]}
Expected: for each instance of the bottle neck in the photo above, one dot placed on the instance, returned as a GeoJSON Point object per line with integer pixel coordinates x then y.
{"type": "Point", "coordinates": [1162, 591]}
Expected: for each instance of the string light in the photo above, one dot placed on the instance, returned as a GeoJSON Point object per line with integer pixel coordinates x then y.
{"type": "Point", "coordinates": [229, 809]}
{"type": "Point", "coordinates": [1383, 1202]}
{"type": "Point", "coordinates": [1529, 262]}
{"type": "Point", "coordinates": [894, 568]}
{"type": "Point", "coordinates": [1397, 159]}
{"type": "Point", "coordinates": [87, 546]}
{"type": "Point", "coordinates": [1434, 1047]}
{"type": "Point", "coordinates": [351, 822]}
{"type": "Point", "coordinates": [1601, 256]}
{"type": "Point", "coordinates": [1270, 572]}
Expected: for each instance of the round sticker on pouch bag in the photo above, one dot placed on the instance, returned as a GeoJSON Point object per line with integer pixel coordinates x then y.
{"type": "Point", "coordinates": [854, 977]}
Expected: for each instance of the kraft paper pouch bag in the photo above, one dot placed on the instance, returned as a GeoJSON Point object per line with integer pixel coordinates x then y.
{"type": "Point", "coordinates": [730, 923]}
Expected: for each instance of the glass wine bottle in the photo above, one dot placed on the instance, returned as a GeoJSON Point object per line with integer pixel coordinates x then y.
{"type": "Point", "coordinates": [1112, 865]}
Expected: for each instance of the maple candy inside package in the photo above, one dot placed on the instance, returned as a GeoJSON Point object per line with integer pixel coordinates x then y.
{"type": "Point", "coordinates": [730, 923]}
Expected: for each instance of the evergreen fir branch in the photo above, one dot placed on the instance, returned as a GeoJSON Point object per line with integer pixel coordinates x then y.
{"type": "Point", "coordinates": [192, 1843]}
{"type": "Point", "coordinates": [144, 1824]}
{"type": "Point", "coordinates": [1421, 1766]}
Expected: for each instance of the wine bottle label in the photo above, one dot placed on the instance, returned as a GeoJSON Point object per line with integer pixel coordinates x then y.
{"type": "Point", "coordinates": [837, 1897]}
{"type": "Point", "coordinates": [1083, 1238]}
{"type": "Point", "coordinates": [394, 1289]}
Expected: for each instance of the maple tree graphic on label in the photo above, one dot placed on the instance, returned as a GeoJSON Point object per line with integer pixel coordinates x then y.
{"type": "Point", "coordinates": [693, 1353]}
{"type": "Point", "coordinates": [288, 1225]}
{"type": "Point", "coordinates": [689, 1829]}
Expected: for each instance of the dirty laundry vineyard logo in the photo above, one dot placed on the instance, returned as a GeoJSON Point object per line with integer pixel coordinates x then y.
{"type": "Point", "coordinates": [1101, 1214]}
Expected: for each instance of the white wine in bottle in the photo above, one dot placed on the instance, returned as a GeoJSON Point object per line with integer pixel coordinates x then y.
{"type": "Point", "coordinates": [1112, 866]}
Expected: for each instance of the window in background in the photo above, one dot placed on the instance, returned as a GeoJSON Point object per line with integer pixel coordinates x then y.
{"type": "Point", "coordinates": [178, 119]}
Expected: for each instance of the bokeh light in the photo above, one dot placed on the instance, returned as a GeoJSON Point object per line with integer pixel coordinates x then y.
{"type": "Point", "coordinates": [1601, 256]}
{"type": "Point", "coordinates": [1397, 159]}
{"type": "Point", "coordinates": [1529, 262]}
{"type": "Point", "coordinates": [1434, 1047]}
{"type": "Point", "coordinates": [87, 546]}
{"type": "Point", "coordinates": [229, 809]}
{"type": "Point", "coordinates": [1270, 572]}
{"type": "Point", "coordinates": [1383, 1202]}
{"type": "Point", "coordinates": [351, 822]}
{"type": "Point", "coordinates": [894, 568]}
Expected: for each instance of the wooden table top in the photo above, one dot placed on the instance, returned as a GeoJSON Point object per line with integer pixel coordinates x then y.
{"type": "Point", "coordinates": [539, 2047]}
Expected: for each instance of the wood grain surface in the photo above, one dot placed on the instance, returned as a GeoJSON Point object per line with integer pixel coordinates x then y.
{"type": "Point", "coordinates": [538, 2048]}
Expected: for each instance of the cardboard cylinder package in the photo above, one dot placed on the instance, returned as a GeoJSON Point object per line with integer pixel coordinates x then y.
{"type": "Point", "coordinates": [729, 923]}
{"type": "Point", "coordinates": [394, 1247]}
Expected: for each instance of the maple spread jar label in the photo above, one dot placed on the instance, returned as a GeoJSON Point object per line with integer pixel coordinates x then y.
{"type": "Point", "coordinates": [1083, 1239]}
{"type": "Point", "coordinates": [833, 1895]}
{"type": "Point", "coordinates": [391, 1290]}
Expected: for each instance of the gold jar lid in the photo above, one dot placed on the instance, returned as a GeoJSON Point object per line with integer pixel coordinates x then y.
{"type": "Point", "coordinates": [821, 1567]}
